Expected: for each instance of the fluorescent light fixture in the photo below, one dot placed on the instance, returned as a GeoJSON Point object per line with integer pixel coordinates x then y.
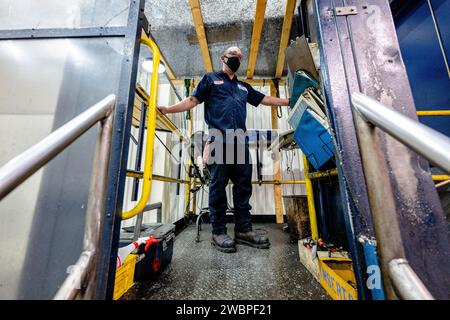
{"type": "Point", "coordinates": [147, 65]}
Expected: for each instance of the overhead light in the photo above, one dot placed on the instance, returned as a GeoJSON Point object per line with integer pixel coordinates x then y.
{"type": "Point", "coordinates": [147, 65]}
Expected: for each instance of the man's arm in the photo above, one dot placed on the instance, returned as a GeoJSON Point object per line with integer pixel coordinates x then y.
{"type": "Point", "coordinates": [274, 101]}
{"type": "Point", "coordinates": [184, 105]}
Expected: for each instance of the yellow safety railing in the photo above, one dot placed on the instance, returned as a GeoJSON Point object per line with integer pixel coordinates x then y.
{"type": "Point", "coordinates": [431, 113]}
{"type": "Point", "coordinates": [151, 129]}
{"type": "Point", "coordinates": [440, 177]}
{"type": "Point", "coordinates": [163, 117]}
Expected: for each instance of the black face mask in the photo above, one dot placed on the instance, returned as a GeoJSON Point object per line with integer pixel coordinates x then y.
{"type": "Point", "coordinates": [233, 63]}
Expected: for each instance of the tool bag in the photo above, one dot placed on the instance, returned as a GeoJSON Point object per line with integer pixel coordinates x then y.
{"type": "Point", "coordinates": [155, 258]}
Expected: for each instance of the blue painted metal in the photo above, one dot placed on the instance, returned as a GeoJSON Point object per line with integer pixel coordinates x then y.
{"type": "Point", "coordinates": [353, 228]}
{"type": "Point", "coordinates": [424, 61]}
{"type": "Point", "coordinates": [371, 256]}
{"type": "Point", "coordinates": [351, 177]}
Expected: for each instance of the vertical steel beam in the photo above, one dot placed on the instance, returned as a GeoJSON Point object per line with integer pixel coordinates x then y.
{"type": "Point", "coordinates": [119, 153]}
{"type": "Point", "coordinates": [352, 183]}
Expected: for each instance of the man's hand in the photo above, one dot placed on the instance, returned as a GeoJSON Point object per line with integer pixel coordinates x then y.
{"type": "Point", "coordinates": [163, 109]}
{"type": "Point", "coordinates": [274, 101]}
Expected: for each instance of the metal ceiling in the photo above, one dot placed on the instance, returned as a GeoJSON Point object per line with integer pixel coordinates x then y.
{"type": "Point", "coordinates": [227, 23]}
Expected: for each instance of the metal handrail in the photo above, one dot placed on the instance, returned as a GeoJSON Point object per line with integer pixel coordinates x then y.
{"type": "Point", "coordinates": [406, 282]}
{"type": "Point", "coordinates": [429, 143]}
{"type": "Point", "coordinates": [83, 275]}
{"type": "Point", "coordinates": [17, 170]}
{"type": "Point", "coordinates": [151, 129]}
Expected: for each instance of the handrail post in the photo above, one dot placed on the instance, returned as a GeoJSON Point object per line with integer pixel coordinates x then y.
{"type": "Point", "coordinates": [151, 129]}
{"type": "Point", "coordinates": [83, 274]}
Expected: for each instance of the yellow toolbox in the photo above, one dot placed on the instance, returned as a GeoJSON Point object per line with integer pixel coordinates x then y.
{"type": "Point", "coordinates": [124, 276]}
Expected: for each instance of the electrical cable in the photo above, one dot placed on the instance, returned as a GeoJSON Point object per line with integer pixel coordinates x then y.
{"type": "Point", "coordinates": [186, 210]}
{"type": "Point", "coordinates": [133, 139]}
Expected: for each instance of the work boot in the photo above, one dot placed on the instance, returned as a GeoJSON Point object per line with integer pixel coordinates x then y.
{"type": "Point", "coordinates": [223, 242]}
{"type": "Point", "coordinates": [252, 239]}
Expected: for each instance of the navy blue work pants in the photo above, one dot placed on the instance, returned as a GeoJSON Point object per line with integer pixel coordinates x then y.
{"type": "Point", "coordinates": [240, 174]}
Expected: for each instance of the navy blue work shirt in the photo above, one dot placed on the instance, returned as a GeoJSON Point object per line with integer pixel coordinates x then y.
{"type": "Point", "coordinates": [225, 100]}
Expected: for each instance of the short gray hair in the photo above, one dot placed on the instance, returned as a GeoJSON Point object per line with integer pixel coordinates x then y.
{"type": "Point", "coordinates": [234, 50]}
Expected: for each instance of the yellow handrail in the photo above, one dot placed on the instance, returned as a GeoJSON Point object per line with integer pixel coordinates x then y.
{"type": "Point", "coordinates": [430, 113]}
{"type": "Point", "coordinates": [162, 117]}
{"type": "Point", "coordinates": [440, 177]}
{"type": "Point", "coordinates": [151, 129]}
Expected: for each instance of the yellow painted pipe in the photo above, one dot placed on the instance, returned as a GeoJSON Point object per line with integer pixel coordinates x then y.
{"type": "Point", "coordinates": [151, 128]}
{"type": "Point", "coordinates": [310, 196]}
{"type": "Point", "coordinates": [429, 113]}
{"type": "Point", "coordinates": [440, 177]}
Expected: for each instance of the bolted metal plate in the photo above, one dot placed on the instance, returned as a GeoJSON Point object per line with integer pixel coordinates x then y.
{"type": "Point", "coordinates": [346, 11]}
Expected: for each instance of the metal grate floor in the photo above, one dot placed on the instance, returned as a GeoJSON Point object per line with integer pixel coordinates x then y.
{"type": "Point", "coordinates": [200, 272]}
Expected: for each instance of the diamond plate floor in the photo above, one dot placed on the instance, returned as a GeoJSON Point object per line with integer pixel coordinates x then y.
{"type": "Point", "coordinates": [200, 272]}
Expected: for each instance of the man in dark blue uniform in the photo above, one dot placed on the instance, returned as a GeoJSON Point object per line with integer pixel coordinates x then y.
{"type": "Point", "coordinates": [226, 153]}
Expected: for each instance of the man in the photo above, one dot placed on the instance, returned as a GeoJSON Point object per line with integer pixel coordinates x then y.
{"type": "Point", "coordinates": [225, 99]}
